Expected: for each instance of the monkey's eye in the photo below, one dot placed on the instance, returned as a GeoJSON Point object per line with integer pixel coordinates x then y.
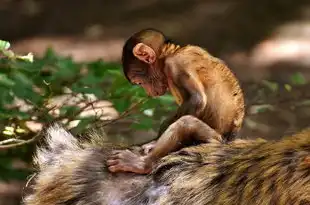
{"type": "Point", "coordinates": [136, 83]}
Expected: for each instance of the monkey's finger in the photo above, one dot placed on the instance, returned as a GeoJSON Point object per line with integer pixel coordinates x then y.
{"type": "Point", "coordinates": [116, 156]}
{"type": "Point", "coordinates": [112, 169]}
{"type": "Point", "coordinates": [115, 152]}
{"type": "Point", "coordinates": [116, 169]}
{"type": "Point", "coordinates": [112, 162]}
{"type": "Point", "coordinates": [126, 151]}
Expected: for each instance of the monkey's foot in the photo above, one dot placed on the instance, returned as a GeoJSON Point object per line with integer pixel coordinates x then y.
{"type": "Point", "coordinates": [147, 148]}
{"type": "Point", "coordinates": [127, 161]}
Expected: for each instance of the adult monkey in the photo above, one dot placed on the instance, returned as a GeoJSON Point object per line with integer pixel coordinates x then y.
{"type": "Point", "coordinates": [73, 171]}
{"type": "Point", "coordinates": [210, 98]}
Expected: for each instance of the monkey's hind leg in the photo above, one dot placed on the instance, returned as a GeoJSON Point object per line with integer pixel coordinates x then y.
{"type": "Point", "coordinates": [187, 128]}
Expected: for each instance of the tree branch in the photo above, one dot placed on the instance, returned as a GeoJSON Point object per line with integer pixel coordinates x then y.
{"type": "Point", "coordinates": [19, 142]}
{"type": "Point", "coordinates": [126, 112]}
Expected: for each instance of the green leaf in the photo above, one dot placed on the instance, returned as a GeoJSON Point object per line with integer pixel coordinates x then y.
{"type": "Point", "coordinates": [50, 55]}
{"type": "Point", "coordinates": [90, 79]}
{"type": "Point", "coordinates": [6, 96]}
{"type": "Point", "coordinates": [69, 110]}
{"type": "Point", "coordinates": [103, 69]}
{"type": "Point", "coordinates": [4, 45]}
{"type": "Point", "coordinates": [114, 72]}
{"type": "Point", "coordinates": [298, 79]}
{"type": "Point", "coordinates": [22, 78]}
{"type": "Point", "coordinates": [166, 99]}
{"type": "Point", "coordinates": [8, 173]}
{"type": "Point", "coordinates": [25, 92]}
{"type": "Point", "coordinates": [144, 124]}
{"type": "Point", "coordinates": [83, 124]}
{"type": "Point", "coordinates": [5, 81]}
{"type": "Point", "coordinates": [288, 87]}
{"type": "Point", "coordinates": [66, 69]}
{"type": "Point", "coordinates": [271, 85]}
{"type": "Point", "coordinates": [20, 115]}
{"type": "Point", "coordinates": [121, 104]}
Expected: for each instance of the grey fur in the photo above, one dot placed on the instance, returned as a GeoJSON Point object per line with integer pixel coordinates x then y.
{"type": "Point", "coordinates": [72, 172]}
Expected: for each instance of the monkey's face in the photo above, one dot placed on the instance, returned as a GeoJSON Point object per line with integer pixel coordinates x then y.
{"type": "Point", "coordinates": [145, 69]}
{"type": "Point", "coordinates": [151, 79]}
{"type": "Point", "coordinates": [154, 89]}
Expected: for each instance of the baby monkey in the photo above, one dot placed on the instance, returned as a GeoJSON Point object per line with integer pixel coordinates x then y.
{"type": "Point", "coordinates": [211, 104]}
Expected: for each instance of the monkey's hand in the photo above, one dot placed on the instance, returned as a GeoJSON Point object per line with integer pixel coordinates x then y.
{"type": "Point", "coordinates": [148, 147]}
{"type": "Point", "coordinates": [127, 161]}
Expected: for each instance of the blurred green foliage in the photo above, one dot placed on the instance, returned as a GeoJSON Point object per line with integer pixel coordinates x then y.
{"type": "Point", "coordinates": [298, 79]}
{"type": "Point", "coordinates": [36, 83]}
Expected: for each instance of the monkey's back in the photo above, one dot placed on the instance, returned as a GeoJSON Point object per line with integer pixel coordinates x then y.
{"type": "Point", "coordinates": [243, 172]}
{"type": "Point", "coordinates": [225, 108]}
{"type": "Point", "coordinates": [225, 101]}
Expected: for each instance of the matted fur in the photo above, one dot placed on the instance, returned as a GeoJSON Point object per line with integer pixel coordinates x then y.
{"type": "Point", "coordinates": [72, 172]}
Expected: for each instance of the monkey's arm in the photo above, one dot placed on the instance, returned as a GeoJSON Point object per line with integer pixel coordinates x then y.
{"type": "Point", "coordinates": [186, 79]}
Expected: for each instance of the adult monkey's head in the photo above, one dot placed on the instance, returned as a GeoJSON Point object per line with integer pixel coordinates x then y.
{"type": "Point", "coordinates": [141, 63]}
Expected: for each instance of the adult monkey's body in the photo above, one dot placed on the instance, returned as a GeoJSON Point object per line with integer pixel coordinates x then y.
{"type": "Point", "coordinates": [73, 171]}
{"type": "Point", "coordinates": [211, 104]}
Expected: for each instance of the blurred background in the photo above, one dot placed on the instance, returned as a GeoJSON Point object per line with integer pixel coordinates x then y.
{"type": "Point", "coordinates": [76, 77]}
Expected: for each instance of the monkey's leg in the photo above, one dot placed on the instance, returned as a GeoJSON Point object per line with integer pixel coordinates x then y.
{"type": "Point", "coordinates": [187, 128]}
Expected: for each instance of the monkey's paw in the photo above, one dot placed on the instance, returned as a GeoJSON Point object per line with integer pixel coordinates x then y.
{"type": "Point", "coordinates": [127, 161]}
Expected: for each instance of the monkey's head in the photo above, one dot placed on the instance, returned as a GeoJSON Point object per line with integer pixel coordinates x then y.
{"type": "Point", "coordinates": [141, 63]}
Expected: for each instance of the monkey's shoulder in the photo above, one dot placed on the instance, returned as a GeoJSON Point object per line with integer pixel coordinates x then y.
{"type": "Point", "coordinates": [190, 54]}
{"type": "Point", "coordinates": [190, 50]}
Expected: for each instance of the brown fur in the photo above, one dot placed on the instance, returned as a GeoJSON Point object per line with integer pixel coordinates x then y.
{"type": "Point", "coordinates": [224, 110]}
{"type": "Point", "coordinates": [203, 86]}
{"type": "Point", "coordinates": [243, 172]}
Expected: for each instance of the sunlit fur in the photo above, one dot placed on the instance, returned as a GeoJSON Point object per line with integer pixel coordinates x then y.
{"type": "Point", "coordinates": [245, 172]}
{"type": "Point", "coordinates": [201, 84]}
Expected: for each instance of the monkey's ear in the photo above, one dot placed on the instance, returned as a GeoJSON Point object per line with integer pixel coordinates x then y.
{"type": "Point", "coordinates": [144, 53]}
